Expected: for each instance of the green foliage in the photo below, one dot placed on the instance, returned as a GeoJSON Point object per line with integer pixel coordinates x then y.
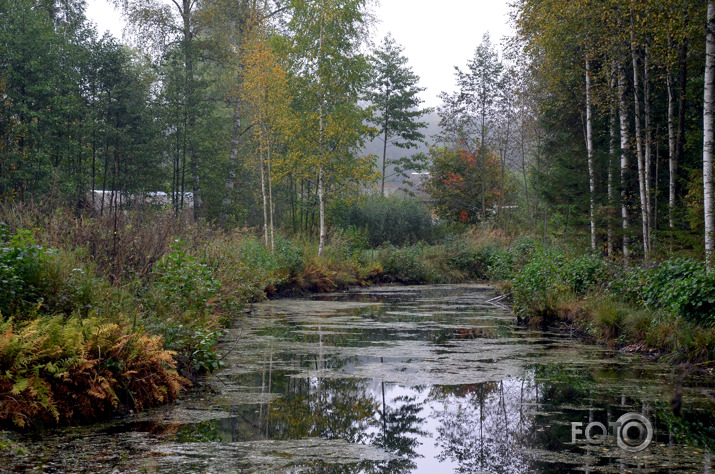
{"type": "Point", "coordinates": [541, 284]}
{"type": "Point", "coordinates": [507, 262]}
{"type": "Point", "coordinates": [195, 346]}
{"type": "Point", "coordinates": [682, 286]}
{"type": "Point", "coordinates": [189, 283]}
{"type": "Point", "coordinates": [551, 277]}
{"type": "Point", "coordinates": [405, 264]}
{"type": "Point", "coordinates": [473, 260]}
{"type": "Point", "coordinates": [394, 220]}
{"type": "Point", "coordinates": [21, 263]}
{"type": "Point", "coordinates": [393, 92]}
{"type": "Point", "coordinates": [289, 257]}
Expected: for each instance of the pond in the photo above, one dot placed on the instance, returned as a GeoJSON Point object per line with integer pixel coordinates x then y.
{"type": "Point", "coordinates": [404, 379]}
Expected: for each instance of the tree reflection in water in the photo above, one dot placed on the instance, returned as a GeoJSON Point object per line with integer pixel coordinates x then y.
{"type": "Point", "coordinates": [483, 427]}
{"type": "Point", "coordinates": [398, 425]}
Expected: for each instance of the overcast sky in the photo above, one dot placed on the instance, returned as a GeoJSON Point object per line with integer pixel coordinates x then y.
{"type": "Point", "coordinates": [437, 35]}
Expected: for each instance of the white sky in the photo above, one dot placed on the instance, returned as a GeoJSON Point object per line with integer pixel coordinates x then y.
{"type": "Point", "coordinates": [437, 35]}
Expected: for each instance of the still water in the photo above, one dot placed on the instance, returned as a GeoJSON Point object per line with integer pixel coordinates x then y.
{"type": "Point", "coordinates": [426, 379]}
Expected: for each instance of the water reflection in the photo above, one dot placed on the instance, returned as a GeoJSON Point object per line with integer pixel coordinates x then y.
{"type": "Point", "coordinates": [429, 379]}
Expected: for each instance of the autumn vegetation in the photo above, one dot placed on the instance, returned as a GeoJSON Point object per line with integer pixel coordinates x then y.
{"type": "Point", "coordinates": [150, 191]}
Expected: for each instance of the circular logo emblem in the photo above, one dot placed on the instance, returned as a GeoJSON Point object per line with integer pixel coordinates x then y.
{"type": "Point", "coordinates": [634, 433]}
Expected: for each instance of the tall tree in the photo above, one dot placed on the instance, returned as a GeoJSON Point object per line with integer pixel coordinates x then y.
{"type": "Point", "coordinates": [265, 95]}
{"type": "Point", "coordinates": [709, 136]}
{"type": "Point", "coordinates": [160, 26]}
{"type": "Point", "coordinates": [468, 117]}
{"type": "Point", "coordinates": [330, 77]}
{"type": "Point", "coordinates": [395, 95]}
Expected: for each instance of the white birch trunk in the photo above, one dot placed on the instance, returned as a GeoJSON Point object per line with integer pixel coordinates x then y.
{"type": "Point", "coordinates": [648, 146]}
{"type": "Point", "coordinates": [263, 194]}
{"type": "Point", "coordinates": [625, 151]}
{"type": "Point", "coordinates": [672, 158]}
{"type": "Point", "coordinates": [270, 194]}
{"type": "Point", "coordinates": [708, 118]}
{"type": "Point", "coordinates": [321, 184]}
{"type": "Point", "coordinates": [321, 200]}
{"type": "Point", "coordinates": [611, 160]}
{"type": "Point", "coordinates": [589, 149]}
{"type": "Point", "coordinates": [639, 147]}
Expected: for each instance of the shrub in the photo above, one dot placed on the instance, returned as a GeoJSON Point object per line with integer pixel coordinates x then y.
{"type": "Point", "coordinates": [551, 277]}
{"type": "Point", "coordinates": [405, 265]}
{"type": "Point", "coordinates": [399, 221]}
{"type": "Point", "coordinates": [21, 262]}
{"type": "Point", "coordinates": [584, 273]}
{"type": "Point", "coordinates": [189, 283]}
{"type": "Point", "coordinates": [541, 284]}
{"type": "Point", "coordinates": [682, 286]}
{"type": "Point", "coordinates": [505, 264]}
{"type": "Point", "coordinates": [472, 260]}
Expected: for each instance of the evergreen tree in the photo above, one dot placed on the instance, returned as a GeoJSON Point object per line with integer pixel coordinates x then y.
{"type": "Point", "coordinates": [395, 96]}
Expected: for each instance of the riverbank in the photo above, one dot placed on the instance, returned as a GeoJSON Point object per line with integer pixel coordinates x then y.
{"type": "Point", "coordinates": [106, 316]}
{"type": "Point", "coordinates": [663, 309]}
{"type": "Point", "coordinates": [102, 317]}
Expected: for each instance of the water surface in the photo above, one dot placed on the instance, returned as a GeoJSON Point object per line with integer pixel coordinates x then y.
{"type": "Point", "coordinates": [399, 379]}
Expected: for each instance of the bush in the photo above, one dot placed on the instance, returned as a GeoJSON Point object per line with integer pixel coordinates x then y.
{"type": "Point", "coordinates": [395, 220]}
{"type": "Point", "coordinates": [541, 284]}
{"type": "Point", "coordinates": [505, 264]}
{"type": "Point", "coordinates": [188, 283]}
{"type": "Point", "coordinates": [551, 277]}
{"type": "Point", "coordinates": [584, 273]}
{"type": "Point", "coordinates": [405, 265]}
{"type": "Point", "coordinates": [682, 286]}
{"type": "Point", "coordinates": [21, 262]}
{"type": "Point", "coordinates": [474, 261]}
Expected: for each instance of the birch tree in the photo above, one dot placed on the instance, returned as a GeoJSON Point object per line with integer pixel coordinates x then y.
{"type": "Point", "coordinates": [708, 138]}
{"type": "Point", "coordinates": [330, 75]}
{"type": "Point", "coordinates": [265, 94]}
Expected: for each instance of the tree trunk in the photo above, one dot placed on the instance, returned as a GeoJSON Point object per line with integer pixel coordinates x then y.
{"type": "Point", "coordinates": [232, 163]}
{"type": "Point", "coordinates": [270, 194]}
{"type": "Point", "coordinates": [263, 195]}
{"type": "Point", "coordinates": [191, 105]}
{"type": "Point", "coordinates": [589, 149]}
{"type": "Point", "coordinates": [708, 129]}
{"type": "Point", "coordinates": [525, 176]}
{"type": "Point", "coordinates": [384, 151]}
{"type": "Point", "coordinates": [648, 158]}
{"type": "Point", "coordinates": [639, 147]}
{"type": "Point", "coordinates": [625, 151]}
{"type": "Point", "coordinates": [672, 156]}
{"type": "Point", "coordinates": [321, 184]}
{"type": "Point", "coordinates": [611, 159]}
{"type": "Point", "coordinates": [321, 203]}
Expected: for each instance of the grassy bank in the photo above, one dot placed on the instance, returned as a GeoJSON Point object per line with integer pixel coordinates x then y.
{"type": "Point", "coordinates": [102, 316]}
{"type": "Point", "coordinates": [664, 308]}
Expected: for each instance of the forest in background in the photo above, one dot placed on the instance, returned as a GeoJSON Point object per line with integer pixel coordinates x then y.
{"type": "Point", "coordinates": [149, 190]}
{"type": "Point", "coordinates": [588, 124]}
